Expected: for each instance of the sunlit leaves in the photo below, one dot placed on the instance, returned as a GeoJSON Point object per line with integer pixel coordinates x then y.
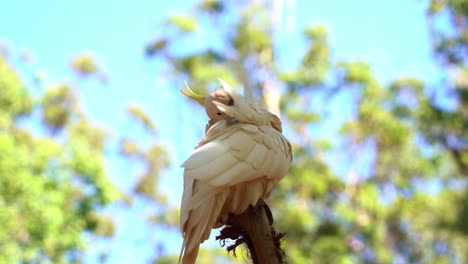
{"type": "Point", "coordinates": [301, 116]}
{"type": "Point", "coordinates": [252, 38]}
{"type": "Point", "coordinates": [170, 217]}
{"type": "Point", "coordinates": [205, 69]}
{"type": "Point", "coordinates": [50, 183]}
{"type": "Point", "coordinates": [315, 62]}
{"type": "Point", "coordinates": [186, 24]}
{"type": "Point", "coordinates": [356, 72]}
{"type": "Point", "coordinates": [129, 147]}
{"type": "Point", "coordinates": [14, 98]}
{"type": "Point", "coordinates": [360, 74]}
{"type": "Point", "coordinates": [83, 131]}
{"type": "Point", "coordinates": [58, 106]}
{"type": "Point", "coordinates": [215, 6]}
{"type": "Point", "coordinates": [46, 151]}
{"type": "Point", "coordinates": [379, 122]}
{"type": "Point", "coordinates": [34, 204]}
{"type": "Point", "coordinates": [84, 64]}
{"type": "Point", "coordinates": [156, 159]}
{"type": "Point", "coordinates": [100, 224]}
{"type": "Point", "coordinates": [86, 159]}
{"type": "Point", "coordinates": [207, 74]}
{"type": "Point", "coordinates": [461, 81]}
{"type": "Point", "coordinates": [317, 33]}
{"type": "Point", "coordinates": [139, 115]}
{"type": "Point", "coordinates": [147, 185]}
{"type": "Point", "coordinates": [436, 6]}
{"type": "Point", "coordinates": [368, 197]}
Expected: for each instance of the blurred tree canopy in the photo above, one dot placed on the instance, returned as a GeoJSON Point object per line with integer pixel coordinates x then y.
{"type": "Point", "coordinates": [53, 179]}
{"type": "Point", "coordinates": [404, 198]}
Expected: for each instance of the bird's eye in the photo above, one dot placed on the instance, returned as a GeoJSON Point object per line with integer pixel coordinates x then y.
{"type": "Point", "coordinates": [219, 113]}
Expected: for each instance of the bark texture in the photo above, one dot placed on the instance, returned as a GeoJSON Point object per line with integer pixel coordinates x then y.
{"type": "Point", "coordinates": [254, 228]}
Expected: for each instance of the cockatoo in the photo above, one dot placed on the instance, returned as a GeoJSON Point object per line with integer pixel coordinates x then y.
{"type": "Point", "coordinates": [241, 157]}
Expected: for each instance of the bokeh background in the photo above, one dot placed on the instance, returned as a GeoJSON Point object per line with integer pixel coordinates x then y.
{"type": "Point", "coordinates": [373, 96]}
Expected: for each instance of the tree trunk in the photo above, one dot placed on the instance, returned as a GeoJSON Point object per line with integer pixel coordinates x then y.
{"type": "Point", "coordinates": [253, 227]}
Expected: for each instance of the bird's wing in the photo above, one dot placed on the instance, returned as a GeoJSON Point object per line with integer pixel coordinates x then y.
{"type": "Point", "coordinates": [242, 153]}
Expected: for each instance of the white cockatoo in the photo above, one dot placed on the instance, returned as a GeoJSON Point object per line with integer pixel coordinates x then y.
{"type": "Point", "coordinates": [241, 157]}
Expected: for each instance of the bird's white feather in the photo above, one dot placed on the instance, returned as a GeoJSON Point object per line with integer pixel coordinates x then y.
{"type": "Point", "coordinates": [238, 162]}
{"type": "Point", "coordinates": [209, 171]}
{"type": "Point", "coordinates": [211, 163]}
{"type": "Point", "coordinates": [211, 150]}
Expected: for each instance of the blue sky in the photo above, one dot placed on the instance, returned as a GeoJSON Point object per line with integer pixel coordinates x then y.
{"type": "Point", "coordinates": [391, 35]}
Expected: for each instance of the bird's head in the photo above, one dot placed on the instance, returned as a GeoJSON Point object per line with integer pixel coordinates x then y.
{"type": "Point", "coordinates": [212, 103]}
{"type": "Point", "coordinates": [225, 103]}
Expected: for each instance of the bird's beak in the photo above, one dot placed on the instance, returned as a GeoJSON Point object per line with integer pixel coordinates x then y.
{"type": "Point", "coordinates": [192, 95]}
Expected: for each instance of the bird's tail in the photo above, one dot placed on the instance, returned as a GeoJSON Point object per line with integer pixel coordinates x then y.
{"type": "Point", "coordinates": [202, 218]}
{"type": "Point", "coordinates": [188, 257]}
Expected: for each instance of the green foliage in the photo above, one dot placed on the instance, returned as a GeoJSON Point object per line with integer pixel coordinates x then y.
{"type": "Point", "coordinates": [39, 204]}
{"type": "Point", "coordinates": [450, 47]}
{"type": "Point", "coordinates": [170, 217]}
{"type": "Point", "coordinates": [315, 62]}
{"type": "Point", "coordinates": [142, 117]}
{"type": "Point", "coordinates": [84, 64]}
{"type": "Point", "coordinates": [58, 105]}
{"type": "Point", "coordinates": [53, 179]}
{"type": "Point", "coordinates": [356, 72]}
{"type": "Point", "coordinates": [14, 98]}
{"type": "Point", "coordinates": [156, 159]}
{"type": "Point", "coordinates": [214, 6]}
{"type": "Point", "coordinates": [128, 147]}
{"type": "Point", "coordinates": [259, 40]}
{"type": "Point", "coordinates": [186, 24]}
{"type": "Point", "coordinates": [102, 225]}
{"type": "Point", "coordinates": [43, 212]}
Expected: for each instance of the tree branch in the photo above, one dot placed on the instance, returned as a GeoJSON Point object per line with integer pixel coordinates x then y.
{"type": "Point", "coordinates": [457, 156]}
{"type": "Point", "coordinates": [254, 228]}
